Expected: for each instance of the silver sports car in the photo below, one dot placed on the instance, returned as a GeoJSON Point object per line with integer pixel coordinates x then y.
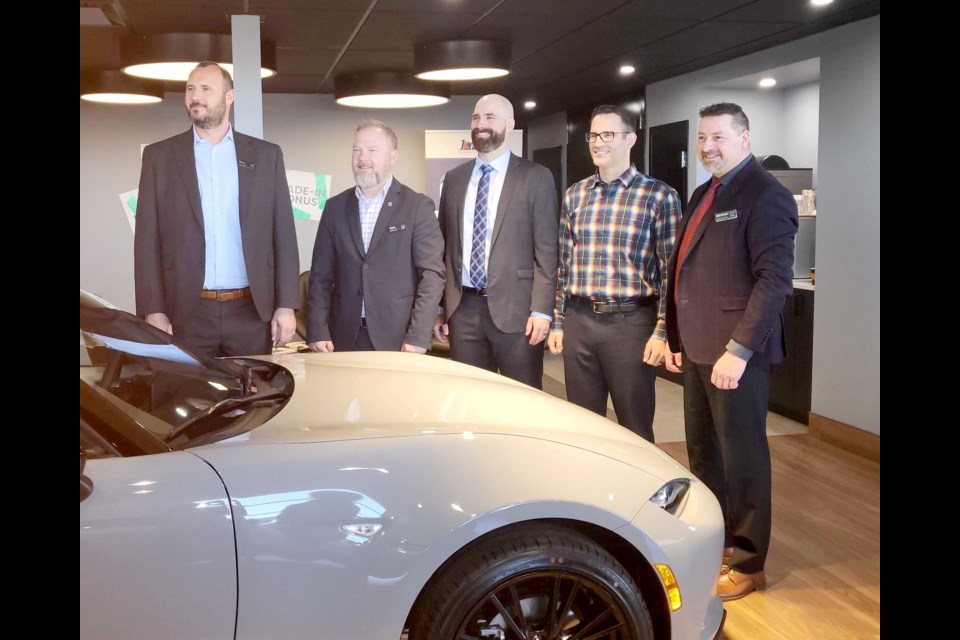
{"type": "Point", "coordinates": [370, 495]}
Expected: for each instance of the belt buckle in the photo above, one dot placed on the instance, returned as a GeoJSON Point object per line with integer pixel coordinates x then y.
{"type": "Point", "coordinates": [598, 306]}
{"type": "Point", "coordinates": [221, 295]}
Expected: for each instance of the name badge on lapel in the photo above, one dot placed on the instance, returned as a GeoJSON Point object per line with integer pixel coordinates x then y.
{"type": "Point", "coordinates": [402, 227]}
{"type": "Point", "coordinates": [723, 216]}
{"type": "Point", "coordinates": [246, 165]}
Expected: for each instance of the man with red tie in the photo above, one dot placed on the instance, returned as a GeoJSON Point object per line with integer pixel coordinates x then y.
{"type": "Point", "coordinates": [728, 277]}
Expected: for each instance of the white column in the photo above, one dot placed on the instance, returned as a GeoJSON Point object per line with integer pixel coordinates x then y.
{"type": "Point", "coordinates": [248, 108]}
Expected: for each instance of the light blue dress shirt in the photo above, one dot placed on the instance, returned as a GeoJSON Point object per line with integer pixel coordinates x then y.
{"type": "Point", "coordinates": [219, 182]}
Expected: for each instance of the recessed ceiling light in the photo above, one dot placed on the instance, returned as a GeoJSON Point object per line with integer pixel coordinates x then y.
{"type": "Point", "coordinates": [820, 3]}
{"type": "Point", "coordinates": [627, 70]}
{"type": "Point", "coordinates": [766, 83]}
{"type": "Point", "coordinates": [529, 104]}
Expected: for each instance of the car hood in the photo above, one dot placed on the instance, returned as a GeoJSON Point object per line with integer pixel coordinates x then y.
{"type": "Point", "coordinates": [353, 396]}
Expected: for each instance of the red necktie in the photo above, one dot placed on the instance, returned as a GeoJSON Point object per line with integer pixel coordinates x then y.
{"type": "Point", "coordinates": [691, 229]}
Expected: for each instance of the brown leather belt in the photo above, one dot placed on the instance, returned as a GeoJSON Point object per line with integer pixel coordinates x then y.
{"type": "Point", "coordinates": [222, 295]}
{"type": "Point", "coordinates": [613, 306]}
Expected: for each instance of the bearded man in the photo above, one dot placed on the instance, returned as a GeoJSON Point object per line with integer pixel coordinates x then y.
{"type": "Point", "coordinates": [377, 273]}
{"type": "Point", "coordinates": [215, 250]}
{"type": "Point", "coordinates": [498, 214]}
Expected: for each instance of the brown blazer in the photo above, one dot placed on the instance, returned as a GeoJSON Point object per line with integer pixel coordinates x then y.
{"type": "Point", "coordinates": [738, 270]}
{"type": "Point", "coordinates": [522, 266]}
{"type": "Point", "coordinates": [169, 242]}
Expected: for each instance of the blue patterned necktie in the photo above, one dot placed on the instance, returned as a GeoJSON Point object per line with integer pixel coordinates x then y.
{"type": "Point", "coordinates": [478, 252]}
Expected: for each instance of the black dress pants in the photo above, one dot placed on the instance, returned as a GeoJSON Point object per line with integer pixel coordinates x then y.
{"type": "Point", "coordinates": [727, 443]}
{"type": "Point", "coordinates": [476, 340]}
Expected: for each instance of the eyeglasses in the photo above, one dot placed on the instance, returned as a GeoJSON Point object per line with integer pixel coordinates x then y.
{"type": "Point", "coordinates": [606, 136]}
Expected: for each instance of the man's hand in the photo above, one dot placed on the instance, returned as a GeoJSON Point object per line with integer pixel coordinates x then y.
{"type": "Point", "coordinates": [727, 371]}
{"type": "Point", "coordinates": [441, 330]}
{"type": "Point", "coordinates": [411, 348]}
{"type": "Point", "coordinates": [160, 321]}
{"type": "Point", "coordinates": [673, 361]}
{"type": "Point", "coordinates": [555, 342]}
{"type": "Point", "coordinates": [283, 326]}
{"type": "Point", "coordinates": [537, 329]}
{"type": "Point", "coordinates": [653, 353]}
{"type": "Point", "coordinates": [321, 346]}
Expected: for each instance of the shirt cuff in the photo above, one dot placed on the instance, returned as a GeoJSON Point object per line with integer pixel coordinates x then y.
{"type": "Point", "coordinates": [660, 331]}
{"type": "Point", "coordinates": [537, 314]}
{"type": "Point", "coordinates": [739, 350]}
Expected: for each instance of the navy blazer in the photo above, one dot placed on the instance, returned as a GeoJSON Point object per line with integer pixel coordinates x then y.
{"type": "Point", "coordinates": [399, 279]}
{"type": "Point", "coordinates": [737, 272]}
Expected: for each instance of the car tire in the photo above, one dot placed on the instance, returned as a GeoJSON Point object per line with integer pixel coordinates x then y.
{"type": "Point", "coordinates": [532, 581]}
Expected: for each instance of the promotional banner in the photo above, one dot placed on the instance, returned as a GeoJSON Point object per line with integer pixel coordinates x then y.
{"type": "Point", "coordinates": [308, 196]}
{"type": "Point", "coordinates": [445, 150]}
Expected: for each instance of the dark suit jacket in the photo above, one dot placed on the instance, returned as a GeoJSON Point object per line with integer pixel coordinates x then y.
{"type": "Point", "coordinates": [400, 277]}
{"type": "Point", "coordinates": [522, 266]}
{"type": "Point", "coordinates": [169, 242]}
{"type": "Point", "coordinates": [737, 272]}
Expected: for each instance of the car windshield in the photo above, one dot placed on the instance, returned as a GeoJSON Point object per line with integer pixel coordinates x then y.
{"type": "Point", "coordinates": [134, 376]}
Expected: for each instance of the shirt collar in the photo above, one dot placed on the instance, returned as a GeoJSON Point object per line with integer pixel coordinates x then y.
{"type": "Point", "coordinates": [198, 140]}
{"type": "Point", "coordinates": [626, 178]}
{"type": "Point", "coordinates": [500, 164]}
{"type": "Point", "coordinates": [380, 194]}
{"type": "Point", "coordinates": [730, 175]}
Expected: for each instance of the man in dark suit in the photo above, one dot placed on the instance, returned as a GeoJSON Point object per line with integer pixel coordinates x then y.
{"type": "Point", "coordinates": [499, 218]}
{"type": "Point", "coordinates": [377, 272]}
{"type": "Point", "coordinates": [215, 250]}
{"type": "Point", "coordinates": [728, 277]}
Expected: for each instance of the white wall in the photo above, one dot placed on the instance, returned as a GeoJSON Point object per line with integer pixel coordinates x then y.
{"type": "Point", "coordinates": [801, 122]}
{"type": "Point", "coordinates": [846, 353]}
{"type": "Point", "coordinates": [314, 133]}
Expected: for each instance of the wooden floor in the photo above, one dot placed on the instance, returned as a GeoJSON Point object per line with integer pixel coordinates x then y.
{"type": "Point", "coordinates": [823, 569]}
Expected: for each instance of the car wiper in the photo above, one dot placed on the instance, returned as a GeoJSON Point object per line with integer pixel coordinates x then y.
{"type": "Point", "coordinates": [225, 405]}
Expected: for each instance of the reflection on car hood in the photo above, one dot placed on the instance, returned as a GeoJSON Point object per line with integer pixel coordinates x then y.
{"type": "Point", "coordinates": [353, 396]}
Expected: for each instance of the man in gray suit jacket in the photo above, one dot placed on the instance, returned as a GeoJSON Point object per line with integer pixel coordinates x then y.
{"type": "Point", "coordinates": [215, 250]}
{"type": "Point", "coordinates": [377, 272]}
{"type": "Point", "coordinates": [499, 218]}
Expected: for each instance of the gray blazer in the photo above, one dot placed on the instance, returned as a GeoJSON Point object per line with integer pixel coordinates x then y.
{"type": "Point", "coordinates": [169, 242]}
{"type": "Point", "coordinates": [400, 278]}
{"type": "Point", "coordinates": [522, 266]}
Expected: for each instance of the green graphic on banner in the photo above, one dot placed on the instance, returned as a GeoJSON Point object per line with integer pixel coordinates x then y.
{"type": "Point", "coordinates": [132, 203]}
{"type": "Point", "coordinates": [308, 193]}
{"type": "Point", "coordinates": [321, 191]}
{"type": "Point", "coordinates": [300, 214]}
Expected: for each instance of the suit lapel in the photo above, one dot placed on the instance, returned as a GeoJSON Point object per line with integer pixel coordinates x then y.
{"type": "Point", "coordinates": [187, 163]}
{"type": "Point", "coordinates": [506, 194]}
{"type": "Point", "coordinates": [246, 167]}
{"type": "Point", "coordinates": [725, 195]}
{"type": "Point", "coordinates": [353, 221]}
{"type": "Point", "coordinates": [459, 194]}
{"type": "Point", "coordinates": [390, 203]}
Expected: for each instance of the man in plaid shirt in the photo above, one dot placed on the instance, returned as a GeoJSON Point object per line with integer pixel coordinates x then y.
{"type": "Point", "coordinates": [617, 230]}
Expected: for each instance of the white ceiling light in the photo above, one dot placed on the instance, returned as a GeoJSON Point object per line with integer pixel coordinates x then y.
{"type": "Point", "coordinates": [449, 60]}
{"type": "Point", "coordinates": [388, 90]}
{"type": "Point", "coordinates": [627, 70]}
{"type": "Point", "coordinates": [766, 83]}
{"type": "Point", "coordinates": [529, 104]}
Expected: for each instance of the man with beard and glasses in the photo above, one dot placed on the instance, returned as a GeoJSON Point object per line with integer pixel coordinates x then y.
{"type": "Point", "coordinates": [377, 272]}
{"type": "Point", "coordinates": [498, 214]}
{"type": "Point", "coordinates": [728, 277]}
{"type": "Point", "coordinates": [617, 230]}
{"type": "Point", "coordinates": [215, 250]}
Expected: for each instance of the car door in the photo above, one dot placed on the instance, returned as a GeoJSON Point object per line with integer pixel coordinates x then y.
{"type": "Point", "coordinates": [157, 554]}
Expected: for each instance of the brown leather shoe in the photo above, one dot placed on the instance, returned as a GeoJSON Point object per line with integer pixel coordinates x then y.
{"type": "Point", "coordinates": [725, 564]}
{"type": "Point", "coordinates": [733, 585]}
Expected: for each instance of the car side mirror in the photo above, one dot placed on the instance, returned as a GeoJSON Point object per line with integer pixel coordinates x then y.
{"type": "Point", "coordinates": [86, 484]}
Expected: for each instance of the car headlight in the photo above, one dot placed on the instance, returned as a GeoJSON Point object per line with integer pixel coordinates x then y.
{"type": "Point", "coordinates": [670, 496]}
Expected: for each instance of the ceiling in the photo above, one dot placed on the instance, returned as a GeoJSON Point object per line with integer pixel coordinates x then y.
{"type": "Point", "coordinates": [565, 52]}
